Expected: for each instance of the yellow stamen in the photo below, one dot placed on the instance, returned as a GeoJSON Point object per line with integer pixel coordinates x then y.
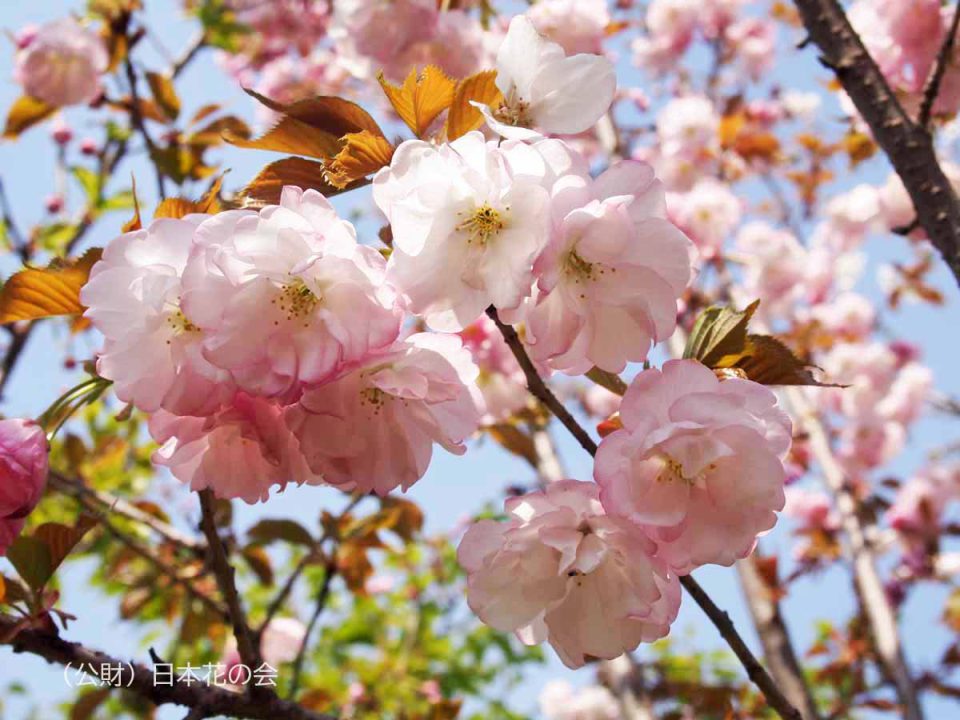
{"type": "Point", "coordinates": [482, 225]}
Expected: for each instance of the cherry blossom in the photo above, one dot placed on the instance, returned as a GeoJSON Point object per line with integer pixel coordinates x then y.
{"type": "Point", "coordinates": [152, 350]}
{"type": "Point", "coordinates": [562, 571]}
{"type": "Point", "coordinates": [285, 296]}
{"type": "Point", "coordinates": [560, 701]}
{"type": "Point", "coordinates": [544, 89]}
{"type": "Point", "coordinates": [60, 63]}
{"type": "Point", "coordinates": [501, 381]}
{"type": "Point", "coordinates": [23, 475]}
{"type": "Point", "coordinates": [242, 451]}
{"type": "Point", "coordinates": [373, 428]}
{"type": "Point", "coordinates": [708, 213]}
{"type": "Point", "coordinates": [578, 26]}
{"type": "Point", "coordinates": [466, 228]}
{"type": "Point", "coordinates": [280, 643]}
{"type": "Point", "coordinates": [610, 278]}
{"type": "Point", "coordinates": [698, 463]}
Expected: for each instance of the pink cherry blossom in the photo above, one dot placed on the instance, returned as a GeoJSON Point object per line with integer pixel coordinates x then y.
{"type": "Point", "coordinates": [501, 381]}
{"type": "Point", "coordinates": [811, 509]}
{"type": "Point", "coordinates": [611, 275]}
{"type": "Point", "coordinates": [708, 213]}
{"type": "Point", "coordinates": [687, 125]}
{"type": "Point", "coordinates": [921, 501]}
{"type": "Point", "coordinates": [466, 228]}
{"type": "Point", "coordinates": [599, 402]}
{"type": "Point", "coordinates": [697, 464]}
{"type": "Point", "coordinates": [285, 296]}
{"type": "Point", "coordinates": [242, 451]}
{"type": "Point", "coordinates": [10, 529]}
{"type": "Point", "coordinates": [578, 26]}
{"type": "Point", "coordinates": [544, 89]}
{"type": "Point", "coordinates": [61, 64]}
{"type": "Point", "coordinates": [152, 350]}
{"type": "Point", "coordinates": [373, 429]}
{"type": "Point", "coordinates": [562, 571]}
{"type": "Point", "coordinates": [754, 41]}
{"type": "Point", "coordinates": [849, 315]}
{"type": "Point", "coordinates": [560, 701]}
{"type": "Point", "coordinates": [23, 475]}
{"type": "Point", "coordinates": [774, 266]}
{"type": "Point", "coordinates": [280, 643]}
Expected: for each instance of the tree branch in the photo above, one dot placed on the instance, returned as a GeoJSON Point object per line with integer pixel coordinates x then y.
{"type": "Point", "coordinates": [330, 571]}
{"type": "Point", "coordinates": [755, 671]}
{"type": "Point", "coordinates": [538, 388]}
{"type": "Point", "coordinates": [211, 700]}
{"type": "Point", "coordinates": [75, 487]}
{"type": "Point", "coordinates": [771, 626]}
{"type": "Point", "coordinates": [907, 144]}
{"type": "Point", "coordinates": [879, 614]}
{"type": "Point", "coordinates": [226, 580]}
{"type": "Point", "coordinates": [932, 87]}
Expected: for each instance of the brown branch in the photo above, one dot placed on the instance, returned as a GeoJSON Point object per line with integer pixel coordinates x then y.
{"type": "Point", "coordinates": [755, 671]}
{"type": "Point", "coordinates": [538, 388]}
{"type": "Point", "coordinates": [932, 87]}
{"type": "Point", "coordinates": [907, 144]}
{"type": "Point", "coordinates": [771, 626]}
{"type": "Point", "coordinates": [139, 123]}
{"type": "Point", "coordinates": [879, 614]}
{"type": "Point", "coordinates": [330, 572]}
{"type": "Point", "coordinates": [226, 580]}
{"type": "Point", "coordinates": [76, 488]}
{"type": "Point", "coordinates": [212, 700]}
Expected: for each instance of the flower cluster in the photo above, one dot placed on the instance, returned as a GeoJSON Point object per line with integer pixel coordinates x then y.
{"type": "Point", "coordinates": [267, 347]}
{"type": "Point", "coordinates": [59, 63]}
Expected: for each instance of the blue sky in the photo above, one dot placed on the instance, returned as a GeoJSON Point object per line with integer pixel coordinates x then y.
{"type": "Point", "coordinates": [453, 487]}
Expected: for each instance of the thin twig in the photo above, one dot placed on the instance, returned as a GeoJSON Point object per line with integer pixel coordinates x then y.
{"type": "Point", "coordinates": [76, 488]}
{"type": "Point", "coordinates": [932, 87]}
{"type": "Point", "coordinates": [19, 241]}
{"type": "Point", "coordinates": [139, 123]}
{"type": "Point", "coordinates": [538, 388]}
{"type": "Point", "coordinates": [755, 671]}
{"type": "Point", "coordinates": [226, 580]}
{"type": "Point", "coordinates": [323, 595]}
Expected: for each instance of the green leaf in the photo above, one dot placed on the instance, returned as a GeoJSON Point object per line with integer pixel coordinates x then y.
{"type": "Point", "coordinates": [267, 531]}
{"type": "Point", "coordinates": [90, 182]}
{"type": "Point", "coordinates": [719, 331]}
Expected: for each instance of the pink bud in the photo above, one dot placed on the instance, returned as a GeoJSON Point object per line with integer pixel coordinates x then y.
{"type": "Point", "coordinates": [25, 36]}
{"type": "Point", "coordinates": [23, 475]}
{"type": "Point", "coordinates": [54, 204]}
{"type": "Point", "coordinates": [61, 132]}
{"type": "Point", "coordinates": [88, 146]}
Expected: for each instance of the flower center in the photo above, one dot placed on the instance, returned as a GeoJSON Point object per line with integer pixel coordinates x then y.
{"type": "Point", "coordinates": [672, 471]}
{"type": "Point", "coordinates": [578, 267]}
{"type": "Point", "coordinates": [482, 224]}
{"type": "Point", "coordinates": [296, 300]}
{"type": "Point", "coordinates": [375, 398]}
{"type": "Point", "coordinates": [514, 111]}
{"type": "Point", "coordinates": [179, 324]}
